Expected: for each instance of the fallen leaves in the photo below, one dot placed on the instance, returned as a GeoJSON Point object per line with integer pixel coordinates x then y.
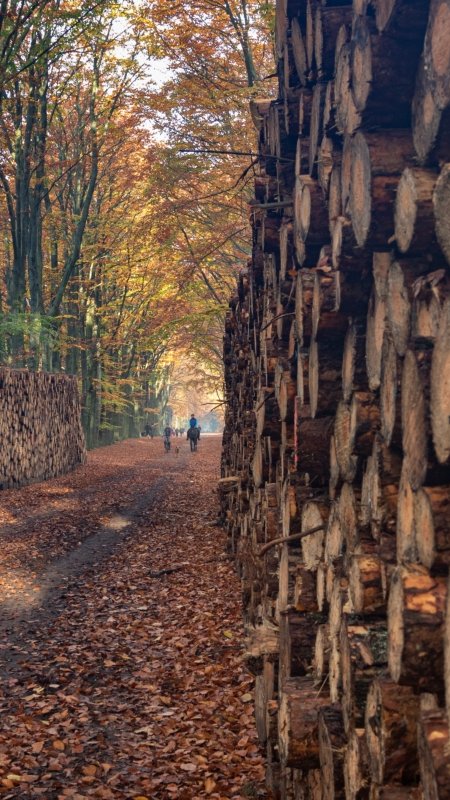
{"type": "Point", "coordinates": [189, 767]}
{"type": "Point", "coordinates": [58, 745]}
{"type": "Point", "coordinates": [137, 689]}
{"type": "Point", "coordinates": [210, 785]}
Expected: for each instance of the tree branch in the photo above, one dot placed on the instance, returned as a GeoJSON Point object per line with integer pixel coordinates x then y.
{"type": "Point", "coordinates": [284, 539]}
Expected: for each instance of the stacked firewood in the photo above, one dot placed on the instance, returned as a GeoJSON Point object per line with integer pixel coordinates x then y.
{"type": "Point", "coordinates": [40, 427]}
{"type": "Point", "coordinates": [335, 483]}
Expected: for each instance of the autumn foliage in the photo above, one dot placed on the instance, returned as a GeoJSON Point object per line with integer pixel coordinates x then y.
{"type": "Point", "coordinates": [123, 217]}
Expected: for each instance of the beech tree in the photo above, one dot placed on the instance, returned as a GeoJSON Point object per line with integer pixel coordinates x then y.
{"type": "Point", "coordinates": [123, 204]}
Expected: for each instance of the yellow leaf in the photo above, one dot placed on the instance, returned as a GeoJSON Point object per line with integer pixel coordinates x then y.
{"type": "Point", "coordinates": [13, 777]}
{"type": "Point", "coordinates": [210, 785]}
{"type": "Point", "coordinates": [228, 634]}
{"type": "Point", "coordinates": [246, 698]}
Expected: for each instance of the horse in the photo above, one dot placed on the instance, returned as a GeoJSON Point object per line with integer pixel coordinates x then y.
{"type": "Point", "coordinates": [193, 436]}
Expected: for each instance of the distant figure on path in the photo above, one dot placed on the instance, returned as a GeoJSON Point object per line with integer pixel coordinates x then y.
{"type": "Point", "coordinates": [167, 434]}
{"type": "Point", "coordinates": [148, 431]}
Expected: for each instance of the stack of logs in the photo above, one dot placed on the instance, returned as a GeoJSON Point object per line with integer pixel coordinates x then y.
{"type": "Point", "coordinates": [336, 459]}
{"type": "Point", "coordinates": [40, 427]}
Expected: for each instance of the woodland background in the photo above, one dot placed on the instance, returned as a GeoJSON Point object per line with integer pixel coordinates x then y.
{"type": "Point", "coordinates": [125, 169]}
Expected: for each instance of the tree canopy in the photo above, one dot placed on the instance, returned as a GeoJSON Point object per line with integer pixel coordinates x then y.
{"type": "Point", "coordinates": [123, 203]}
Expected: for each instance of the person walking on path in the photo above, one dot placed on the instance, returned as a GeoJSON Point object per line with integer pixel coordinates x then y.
{"type": "Point", "coordinates": [167, 434]}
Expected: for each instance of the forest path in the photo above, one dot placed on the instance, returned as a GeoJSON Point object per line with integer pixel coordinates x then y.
{"type": "Point", "coordinates": [121, 680]}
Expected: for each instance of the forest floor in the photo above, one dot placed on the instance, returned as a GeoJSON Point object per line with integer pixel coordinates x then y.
{"type": "Point", "coordinates": [119, 679]}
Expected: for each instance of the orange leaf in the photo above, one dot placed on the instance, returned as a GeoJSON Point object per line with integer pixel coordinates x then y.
{"type": "Point", "coordinates": [58, 744]}
{"type": "Point", "coordinates": [91, 769]}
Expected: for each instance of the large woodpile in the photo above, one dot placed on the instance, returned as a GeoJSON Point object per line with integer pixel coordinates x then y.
{"type": "Point", "coordinates": [335, 472]}
{"type": "Point", "coordinates": [40, 427]}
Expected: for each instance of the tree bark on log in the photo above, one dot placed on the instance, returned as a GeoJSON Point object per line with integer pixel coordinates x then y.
{"type": "Point", "coordinates": [299, 51]}
{"type": "Point", "coordinates": [328, 22]}
{"type": "Point", "coordinates": [434, 754]}
{"type": "Point", "coordinates": [356, 766]}
{"type": "Point", "coordinates": [389, 391]}
{"type": "Point", "coordinates": [440, 381]}
{"type": "Point", "coordinates": [332, 742]}
{"type": "Point", "coordinates": [316, 126]}
{"type": "Point", "coordinates": [416, 625]}
{"type": "Point", "coordinates": [404, 19]}
{"type": "Point", "coordinates": [430, 124]}
{"type": "Point", "coordinates": [314, 448]}
{"type": "Point", "coordinates": [362, 654]}
{"type": "Point", "coordinates": [321, 652]}
{"type": "Point", "coordinates": [390, 721]}
{"type": "Point", "coordinates": [432, 526]}
{"type": "Point", "coordinates": [413, 422]}
{"type": "Point", "coordinates": [353, 362]}
{"type": "Point", "coordinates": [372, 197]}
{"type": "Point", "coordinates": [313, 515]}
{"type": "Point", "coordinates": [325, 365]}
{"type": "Point", "coordinates": [414, 213]}
{"type": "Point", "coordinates": [297, 640]}
{"type": "Point", "coordinates": [366, 584]}
{"type": "Point", "coordinates": [382, 78]}
{"type": "Point", "coordinates": [298, 723]}
{"type": "Point", "coordinates": [305, 590]}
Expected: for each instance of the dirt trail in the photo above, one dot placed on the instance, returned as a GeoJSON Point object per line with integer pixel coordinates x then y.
{"type": "Point", "coordinates": [120, 680]}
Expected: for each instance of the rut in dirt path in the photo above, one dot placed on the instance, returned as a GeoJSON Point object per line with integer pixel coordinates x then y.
{"type": "Point", "coordinates": [126, 680]}
{"type": "Point", "coordinates": [37, 596]}
{"type": "Point", "coordinates": [37, 602]}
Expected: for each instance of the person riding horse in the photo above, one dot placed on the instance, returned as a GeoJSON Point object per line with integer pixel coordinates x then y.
{"type": "Point", "coordinates": [193, 432]}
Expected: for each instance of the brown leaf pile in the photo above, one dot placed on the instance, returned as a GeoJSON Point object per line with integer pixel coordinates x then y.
{"type": "Point", "coordinates": [116, 683]}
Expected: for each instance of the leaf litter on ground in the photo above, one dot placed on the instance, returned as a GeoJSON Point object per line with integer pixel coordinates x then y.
{"type": "Point", "coordinates": [135, 686]}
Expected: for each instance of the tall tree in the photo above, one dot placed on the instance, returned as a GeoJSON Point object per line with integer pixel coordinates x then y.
{"type": "Point", "coordinates": [122, 218]}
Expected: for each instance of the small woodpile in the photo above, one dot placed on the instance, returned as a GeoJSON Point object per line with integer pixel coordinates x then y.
{"type": "Point", "coordinates": [336, 459]}
{"type": "Point", "coordinates": [40, 427]}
